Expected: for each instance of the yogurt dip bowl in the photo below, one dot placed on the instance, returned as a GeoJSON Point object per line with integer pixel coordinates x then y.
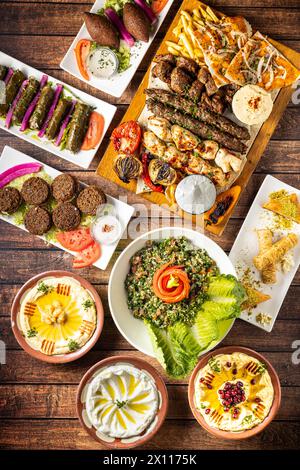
{"type": "Point", "coordinates": [234, 392]}
{"type": "Point", "coordinates": [57, 316]}
{"type": "Point", "coordinates": [122, 402]}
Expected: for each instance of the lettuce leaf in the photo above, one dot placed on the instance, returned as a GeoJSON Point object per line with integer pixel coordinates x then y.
{"type": "Point", "coordinates": [205, 330]}
{"type": "Point", "coordinates": [225, 288]}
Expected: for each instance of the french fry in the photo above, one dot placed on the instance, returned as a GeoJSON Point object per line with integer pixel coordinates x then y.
{"type": "Point", "coordinates": [187, 45]}
{"type": "Point", "coordinates": [174, 45]}
{"type": "Point", "coordinates": [186, 15]}
{"type": "Point", "coordinates": [173, 51]}
{"type": "Point", "coordinates": [212, 15]}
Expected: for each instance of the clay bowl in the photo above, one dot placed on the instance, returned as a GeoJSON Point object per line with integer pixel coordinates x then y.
{"type": "Point", "coordinates": [243, 434]}
{"type": "Point", "coordinates": [117, 443]}
{"type": "Point", "coordinates": [61, 358]}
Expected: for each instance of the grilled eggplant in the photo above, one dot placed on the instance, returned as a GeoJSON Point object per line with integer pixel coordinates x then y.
{"type": "Point", "coordinates": [12, 89]}
{"type": "Point", "coordinates": [60, 112]}
{"type": "Point", "coordinates": [42, 107]}
{"type": "Point", "coordinates": [26, 97]}
{"type": "Point", "coordinates": [78, 127]}
{"type": "Point", "coordinates": [3, 72]}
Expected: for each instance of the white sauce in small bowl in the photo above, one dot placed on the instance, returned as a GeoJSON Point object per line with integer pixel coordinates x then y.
{"type": "Point", "coordinates": [106, 229]}
{"type": "Point", "coordinates": [195, 194]}
{"type": "Point", "coordinates": [102, 62]}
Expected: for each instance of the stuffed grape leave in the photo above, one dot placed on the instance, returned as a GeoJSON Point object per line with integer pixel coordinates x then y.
{"type": "Point", "coordinates": [12, 89]}
{"type": "Point", "coordinates": [25, 99]}
{"type": "Point", "coordinates": [78, 127]}
{"type": "Point", "coordinates": [60, 112]}
{"type": "Point", "coordinates": [42, 107]}
{"type": "Point", "coordinates": [3, 72]}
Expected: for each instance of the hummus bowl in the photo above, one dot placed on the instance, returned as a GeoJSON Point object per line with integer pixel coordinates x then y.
{"type": "Point", "coordinates": [122, 402]}
{"type": "Point", "coordinates": [234, 392]}
{"type": "Point", "coordinates": [57, 316]}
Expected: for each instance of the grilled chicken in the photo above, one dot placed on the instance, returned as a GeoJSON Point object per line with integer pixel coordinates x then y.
{"type": "Point", "coordinates": [207, 149]}
{"type": "Point", "coordinates": [152, 143]}
{"type": "Point", "coordinates": [197, 165]}
{"type": "Point", "coordinates": [199, 112]}
{"type": "Point", "coordinates": [161, 128]}
{"type": "Point", "coordinates": [228, 161]}
{"type": "Point", "coordinates": [199, 128]}
{"type": "Point", "coordinates": [175, 158]}
{"type": "Point", "coordinates": [183, 139]}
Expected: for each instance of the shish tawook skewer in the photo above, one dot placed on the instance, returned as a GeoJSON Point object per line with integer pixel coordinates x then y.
{"type": "Point", "coordinates": [276, 252]}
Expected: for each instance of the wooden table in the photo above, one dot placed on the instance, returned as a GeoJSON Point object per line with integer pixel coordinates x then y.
{"type": "Point", "coordinates": [37, 400]}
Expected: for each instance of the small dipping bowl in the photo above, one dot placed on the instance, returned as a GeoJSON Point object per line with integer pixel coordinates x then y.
{"type": "Point", "coordinates": [102, 62]}
{"type": "Point", "coordinates": [106, 228]}
{"type": "Point", "coordinates": [195, 194]}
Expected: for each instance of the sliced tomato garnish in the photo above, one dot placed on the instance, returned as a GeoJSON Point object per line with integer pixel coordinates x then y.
{"type": "Point", "coordinates": [87, 256]}
{"type": "Point", "coordinates": [94, 132]}
{"type": "Point", "coordinates": [82, 51]}
{"type": "Point", "coordinates": [158, 5]}
{"type": "Point", "coordinates": [75, 240]}
{"type": "Point", "coordinates": [127, 137]}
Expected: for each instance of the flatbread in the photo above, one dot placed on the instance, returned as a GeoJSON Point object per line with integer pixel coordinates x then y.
{"type": "Point", "coordinates": [260, 63]}
{"type": "Point", "coordinates": [220, 42]}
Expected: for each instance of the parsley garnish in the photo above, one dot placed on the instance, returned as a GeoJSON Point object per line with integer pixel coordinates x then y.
{"type": "Point", "coordinates": [44, 288]}
{"type": "Point", "coordinates": [120, 404]}
{"type": "Point", "coordinates": [73, 345]}
{"type": "Point", "coordinates": [87, 304]}
{"type": "Point", "coordinates": [32, 332]}
{"type": "Point", "coordinates": [214, 364]}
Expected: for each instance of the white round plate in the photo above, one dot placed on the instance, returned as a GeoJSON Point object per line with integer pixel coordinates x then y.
{"type": "Point", "coordinates": [133, 329]}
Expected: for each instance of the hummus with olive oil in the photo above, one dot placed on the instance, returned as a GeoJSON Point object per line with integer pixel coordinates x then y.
{"type": "Point", "coordinates": [122, 401]}
{"type": "Point", "coordinates": [233, 392]}
{"type": "Point", "coordinates": [57, 315]}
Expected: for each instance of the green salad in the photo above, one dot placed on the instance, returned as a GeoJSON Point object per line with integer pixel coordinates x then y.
{"type": "Point", "coordinates": [181, 330]}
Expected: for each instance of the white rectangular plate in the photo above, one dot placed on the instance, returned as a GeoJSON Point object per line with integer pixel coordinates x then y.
{"type": "Point", "coordinates": [245, 248]}
{"type": "Point", "coordinates": [116, 85]}
{"type": "Point", "coordinates": [11, 157]}
{"type": "Point", "coordinates": [82, 158]}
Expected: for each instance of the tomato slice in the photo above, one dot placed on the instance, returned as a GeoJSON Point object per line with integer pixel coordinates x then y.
{"type": "Point", "coordinates": [87, 256]}
{"type": "Point", "coordinates": [82, 51]}
{"type": "Point", "coordinates": [94, 132]}
{"type": "Point", "coordinates": [75, 240]}
{"type": "Point", "coordinates": [127, 137]}
{"type": "Point", "coordinates": [158, 5]}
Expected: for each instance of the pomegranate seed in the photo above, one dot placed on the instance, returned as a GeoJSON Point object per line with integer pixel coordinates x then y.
{"type": "Point", "coordinates": [226, 409]}
{"type": "Point", "coordinates": [257, 400]}
{"type": "Point", "coordinates": [234, 371]}
{"type": "Point", "coordinates": [253, 382]}
{"type": "Point", "coordinates": [209, 386]}
{"type": "Point", "coordinates": [228, 364]}
{"type": "Point", "coordinates": [207, 411]}
{"type": "Point", "coordinates": [239, 384]}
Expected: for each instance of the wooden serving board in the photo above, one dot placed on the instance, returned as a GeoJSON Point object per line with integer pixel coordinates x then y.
{"type": "Point", "coordinates": [254, 155]}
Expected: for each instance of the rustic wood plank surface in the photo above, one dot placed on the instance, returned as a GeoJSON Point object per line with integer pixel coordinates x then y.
{"type": "Point", "coordinates": [39, 397]}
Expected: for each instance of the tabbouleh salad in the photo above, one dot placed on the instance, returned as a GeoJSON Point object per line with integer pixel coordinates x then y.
{"type": "Point", "coordinates": [142, 301]}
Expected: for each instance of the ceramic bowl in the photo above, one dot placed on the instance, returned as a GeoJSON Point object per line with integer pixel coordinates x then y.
{"type": "Point", "coordinates": [125, 443]}
{"type": "Point", "coordinates": [59, 358]}
{"type": "Point", "coordinates": [133, 329]}
{"type": "Point", "coordinates": [243, 434]}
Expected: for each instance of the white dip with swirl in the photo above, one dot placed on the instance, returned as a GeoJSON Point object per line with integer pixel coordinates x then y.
{"type": "Point", "coordinates": [122, 401]}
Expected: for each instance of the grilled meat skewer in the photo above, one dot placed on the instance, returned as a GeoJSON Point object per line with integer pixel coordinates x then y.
{"type": "Point", "coordinates": [199, 112]}
{"type": "Point", "coordinates": [197, 127]}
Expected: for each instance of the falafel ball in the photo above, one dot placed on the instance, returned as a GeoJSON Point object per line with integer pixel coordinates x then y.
{"type": "Point", "coordinates": [66, 216]}
{"type": "Point", "coordinates": [38, 220]}
{"type": "Point", "coordinates": [64, 187]}
{"type": "Point", "coordinates": [10, 200]}
{"type": "Point", "coordinates": [35, 191]}
{"type": "Point", "coordinates": [89, 199]}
